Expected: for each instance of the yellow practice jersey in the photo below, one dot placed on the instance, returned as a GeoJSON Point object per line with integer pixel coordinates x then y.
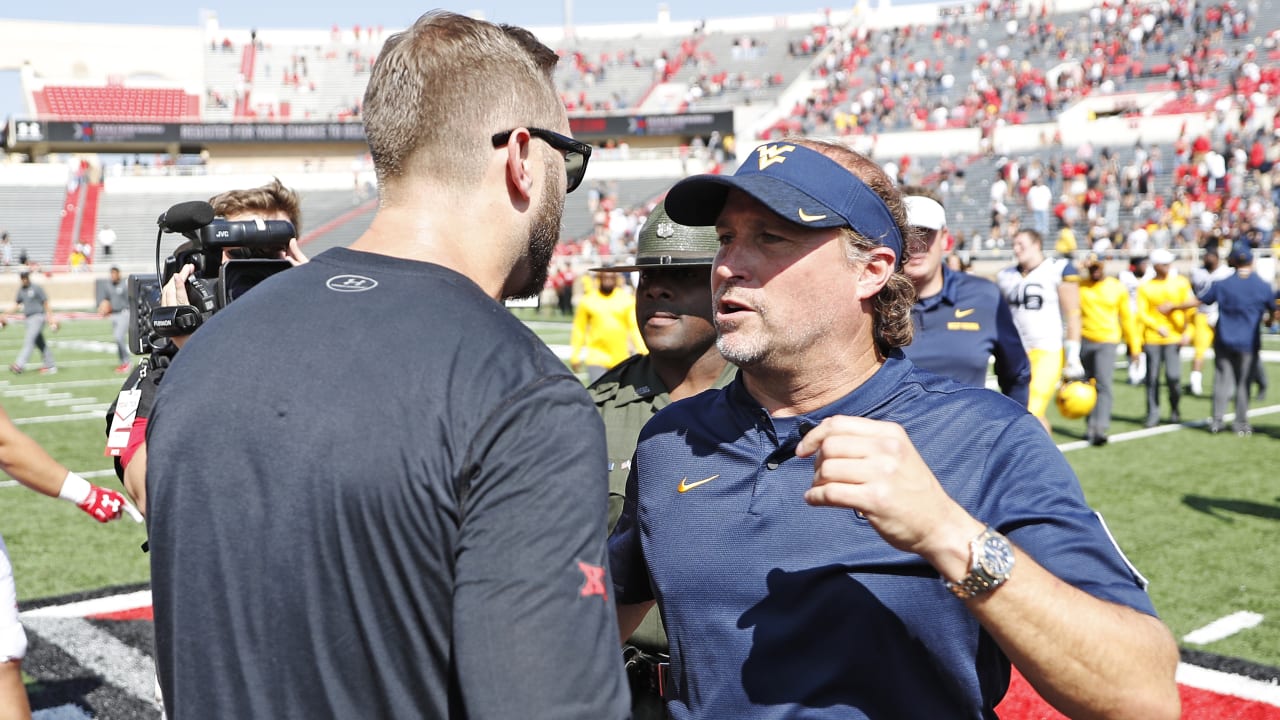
{"type": "Point", "coordinates": [605, 326]}
{"type": "Point", "coordinates": [1105, 313]}
{"type": "Point", "coordinates": [1153, 293]}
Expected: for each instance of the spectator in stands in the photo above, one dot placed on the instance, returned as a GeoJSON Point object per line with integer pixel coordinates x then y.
{"type": "Point", "coordinates": [28, 463]}
{"type": "Point", "coordinates": [33, 303]}
{"type": "Point", "coordinates": [106, 240]}
{"type": "Point", "coordinates": [77, 259]}
{"type": "Point", "coordinates": [1040, 202]}
{"type": "Point", "coordinates": [6, 249]}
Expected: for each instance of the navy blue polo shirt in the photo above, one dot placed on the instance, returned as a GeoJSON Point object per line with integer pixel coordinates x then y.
{"type": "Point", "coordinates": [1242, 303]}
{"type": "Point", "coordinates": [775, 608]}
{"type": "Point", "coordinates": [961, 328]}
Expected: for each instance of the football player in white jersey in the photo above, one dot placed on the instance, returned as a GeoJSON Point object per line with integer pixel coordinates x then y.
{"type": "Point", "coordinates": [1044, 295]}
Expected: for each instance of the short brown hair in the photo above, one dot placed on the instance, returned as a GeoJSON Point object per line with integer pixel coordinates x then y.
{"type": "Point", "coordinates": [921, 191]}
{"type": "Point", "coordinates": [893, 303]}
{"type": "Point", "coordinates": [270, 198]}
{"type": "Point", "coordinates": [442, 88]}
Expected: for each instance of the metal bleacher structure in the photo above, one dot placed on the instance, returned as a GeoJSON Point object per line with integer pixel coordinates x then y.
{"type": "Point", "coordinates": [749, 65]}
{"type": "Point", "coordinates": [31, 212]}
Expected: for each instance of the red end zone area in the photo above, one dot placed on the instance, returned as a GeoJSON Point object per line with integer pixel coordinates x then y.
{"type": "Point", "coordinates": [123, 622]}
{"type": "Point", "coordinates": [1023, 703]}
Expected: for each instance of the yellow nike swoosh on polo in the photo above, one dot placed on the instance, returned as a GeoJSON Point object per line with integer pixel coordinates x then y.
{"type": "Point", "coordinates": [966, 313]}
{"type": "Point", "coordinates": [806, 217]}
{"type": "Point", "coordinates": [686, 486]}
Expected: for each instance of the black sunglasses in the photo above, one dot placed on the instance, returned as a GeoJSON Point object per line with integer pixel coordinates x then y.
{"type": "Point", "coordinates": [576, 153]}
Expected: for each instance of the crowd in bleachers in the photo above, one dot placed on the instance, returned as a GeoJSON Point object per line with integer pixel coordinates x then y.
{"type": "Point", "coordinates": [1204, 190]}
{"type": "Point", "coordinates": [994, 66]}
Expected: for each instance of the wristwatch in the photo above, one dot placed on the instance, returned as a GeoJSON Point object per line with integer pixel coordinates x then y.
{"type": "Point", "coordinates": [990, 562]}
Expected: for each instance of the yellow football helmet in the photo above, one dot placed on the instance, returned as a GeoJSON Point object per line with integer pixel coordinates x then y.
{"type": "Point", "coordinates": [1076, 398]}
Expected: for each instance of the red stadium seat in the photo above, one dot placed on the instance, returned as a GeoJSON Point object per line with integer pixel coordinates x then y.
{"type": "Point", "coordinates": [110, 102]}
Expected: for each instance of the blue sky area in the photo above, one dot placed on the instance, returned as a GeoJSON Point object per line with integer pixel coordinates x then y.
{"type": "Point", "coordinates": [323, 13]}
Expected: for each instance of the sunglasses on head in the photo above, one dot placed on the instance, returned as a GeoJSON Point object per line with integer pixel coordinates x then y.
{"type": "Point", "coordinates": [576, 153]}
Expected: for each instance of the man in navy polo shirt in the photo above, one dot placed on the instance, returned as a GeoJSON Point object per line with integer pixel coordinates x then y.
{"type": "Point", "coordinates": [837, 533]}
{"type": "Point", "coordinates": [1243, 299]}
{"type": "Point", "coordinates": [960, 320]}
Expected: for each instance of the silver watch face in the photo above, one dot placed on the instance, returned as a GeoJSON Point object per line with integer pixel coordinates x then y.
{"type": "Point", "coordinates": [997, 556]}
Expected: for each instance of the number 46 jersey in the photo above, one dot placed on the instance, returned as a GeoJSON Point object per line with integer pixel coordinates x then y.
{"type": "Point", "coordinates": [1033, 298]}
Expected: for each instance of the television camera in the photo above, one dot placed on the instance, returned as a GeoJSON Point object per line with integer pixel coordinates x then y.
{"type": "Point", "coordinates": [228, 256]}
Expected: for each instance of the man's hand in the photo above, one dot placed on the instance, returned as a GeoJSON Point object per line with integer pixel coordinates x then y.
{"type": "Point", "coordinates": [294, 254]}
{"type": "Point", "coordinates": [1074, 368]}
{"type": "Point", "coordinates": [1164, 332]}
{"type": "Point", "coordinates": [872, 467]}
{"type": "Point", "coordinates": [174, 292]}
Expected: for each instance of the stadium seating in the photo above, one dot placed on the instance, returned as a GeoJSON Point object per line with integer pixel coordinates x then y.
{"type": "Point", "coordinates": [111, 102]}
{"type": "Point", "coordinates": [330, 218]}
{"type": "Point", "coordinates": [745, 68]}
{"type": "Point", "coordinates": [32, 215]}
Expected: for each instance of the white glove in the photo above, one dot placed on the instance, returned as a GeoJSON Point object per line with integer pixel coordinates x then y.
{"type": "Point", "coordinates": [1074, 368]}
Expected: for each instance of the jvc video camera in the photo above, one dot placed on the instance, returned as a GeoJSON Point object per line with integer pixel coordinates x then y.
{"type": "Point", "coordinates": [251, 249]}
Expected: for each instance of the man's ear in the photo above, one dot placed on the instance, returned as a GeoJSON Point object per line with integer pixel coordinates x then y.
{"type": "Point", "coordinates": [519, 164]}
{"type": "Point", "coordinates": [876, 272]}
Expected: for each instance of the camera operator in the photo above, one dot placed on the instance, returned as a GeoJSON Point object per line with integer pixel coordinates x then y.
{"type": "Point", "coordinates": [272, 201]}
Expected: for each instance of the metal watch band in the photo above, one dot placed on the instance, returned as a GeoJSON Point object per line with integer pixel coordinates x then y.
{"type": "Point", "coordinates": [978, 581]}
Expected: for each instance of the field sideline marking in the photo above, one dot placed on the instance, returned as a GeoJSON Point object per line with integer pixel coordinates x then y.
{"type": "Point", "coordinates": [1228, 684]}
{"type": "Point", "coordinates": [1187, 674]}
{"type": "Point", "coordinates": [1168, 428]}
{"type": "Point", "coordinates": [96, 606]}
{"type": "Point", "coordinates": [68, 417]}
{"type": "Point", "coordinates": [86, 475]}
{"type": "Point", "coordinates": [1223, 627]}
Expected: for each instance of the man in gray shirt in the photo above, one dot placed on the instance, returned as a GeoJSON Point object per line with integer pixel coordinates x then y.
{"type": "Point", "coordinates": [113, 302]}
{"type": "Point", "coordinates": [34, 304]}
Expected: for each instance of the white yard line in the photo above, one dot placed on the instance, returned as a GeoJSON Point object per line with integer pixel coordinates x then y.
{"type": "Point", "coordinates": [87, 475]}
{"type": "Point", "coordinates": [1228, 684]}
{"type": "Point", "coordinates": [97, 606]}
{"type": "Point", "coordinates": [1223, 627]}
{"type": "Point", "coordinates": [1162, 429]}
{"type": "Point", "coordinates": [63, 418]}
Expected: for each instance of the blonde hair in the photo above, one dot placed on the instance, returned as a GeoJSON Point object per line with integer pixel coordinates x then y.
{"type": "Point", "coordinates": [442, 88]}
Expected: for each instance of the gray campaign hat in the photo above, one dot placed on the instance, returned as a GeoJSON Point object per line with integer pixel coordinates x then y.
{"type": "Point", "coordinates": [666, 243]}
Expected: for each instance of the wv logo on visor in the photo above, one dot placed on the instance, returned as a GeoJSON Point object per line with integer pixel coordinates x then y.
{"type": "Point", "coordinates": [773, 154]}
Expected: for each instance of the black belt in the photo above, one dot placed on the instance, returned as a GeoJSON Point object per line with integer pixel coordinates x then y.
{"type": "Point", "coordinates": [647, 672]}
